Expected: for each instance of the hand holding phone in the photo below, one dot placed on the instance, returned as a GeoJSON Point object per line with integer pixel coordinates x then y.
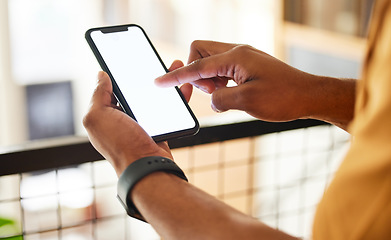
{"type": "Point", "coordinates": [131, 61]}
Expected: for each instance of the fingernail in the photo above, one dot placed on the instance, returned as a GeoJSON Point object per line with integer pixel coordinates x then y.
{"type": "Point", "coordinates": [202, 88]}
{"type": "Point", "coordinates": [157, 80]}
{"type": "Point", "coordinates": [215, 109]}
{"type": "Point", "coordinates": [100, 75]}
{"type": "Point", "coordinates": [161, 83]}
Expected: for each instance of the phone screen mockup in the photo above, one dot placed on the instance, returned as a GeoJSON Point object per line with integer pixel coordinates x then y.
{"type": "Point", "coordinates": [128, 56]}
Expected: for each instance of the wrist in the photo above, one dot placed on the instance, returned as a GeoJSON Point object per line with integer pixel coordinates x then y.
{"type": "Point", "coordinates": [125, 159]}
{"type": "Point", "coordinates": [332, 100]}
{"type": "Point", "coordinates": [315, 100]}
{"type": "Point", "coordinates": [137, 171]}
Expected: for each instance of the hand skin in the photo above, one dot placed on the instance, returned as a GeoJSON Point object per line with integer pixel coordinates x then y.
{"type": "Point", "coordinates": [267, 88]}
{"type": "Point", "coordinates": [175, 208]}
{"type": "Point", "coordinates": [116, 135]}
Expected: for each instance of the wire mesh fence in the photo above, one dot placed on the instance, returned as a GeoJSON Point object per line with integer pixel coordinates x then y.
{"type": "Point", "coordinates": [277, 178]}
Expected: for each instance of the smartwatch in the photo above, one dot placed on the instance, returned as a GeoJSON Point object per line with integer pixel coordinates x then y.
{"type": "Point", "coordinates": [135, 172]}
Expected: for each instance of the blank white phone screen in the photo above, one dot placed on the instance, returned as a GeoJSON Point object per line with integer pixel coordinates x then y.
{"type": "Point", "coordinates": [134, 66]}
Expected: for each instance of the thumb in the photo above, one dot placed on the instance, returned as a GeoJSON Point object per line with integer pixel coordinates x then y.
{"type": "Point", "coordinates": [226, 98]}
{"type": "Point", "coordinates": [104, 91]}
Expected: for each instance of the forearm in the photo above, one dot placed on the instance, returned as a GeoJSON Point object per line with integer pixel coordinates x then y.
{"type": "Point", "coordinates": [332, 100]}
{"type": "Point", "coordinates": [178, 210]}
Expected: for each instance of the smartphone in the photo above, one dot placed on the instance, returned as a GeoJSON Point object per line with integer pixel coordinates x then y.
{"type": "Point", "coordinates": [126, 53]}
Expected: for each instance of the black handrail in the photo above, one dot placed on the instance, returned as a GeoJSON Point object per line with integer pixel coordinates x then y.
{"type": "Point", "coordinates": [69, 151]}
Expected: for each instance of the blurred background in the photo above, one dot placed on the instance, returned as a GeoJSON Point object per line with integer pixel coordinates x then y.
{"type": "Point", "coordinates": [48, 73]}
{"type": "Point", "coordinates": [48, 70]}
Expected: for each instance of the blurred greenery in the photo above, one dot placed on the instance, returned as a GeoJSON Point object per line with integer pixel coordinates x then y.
{"type": "Point", "coordinates": [9, 227]}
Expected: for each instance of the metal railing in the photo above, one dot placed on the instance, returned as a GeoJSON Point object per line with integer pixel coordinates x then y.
{"type": "Point", "coordinates": [56, 153]}
{"type": "Point", "coordinates": [272, 179]}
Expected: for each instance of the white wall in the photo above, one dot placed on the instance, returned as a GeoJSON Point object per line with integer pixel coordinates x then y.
{"type": "Point", "coordinates": [171, 24]}
{"type": "Point", "coordinates": [13, 127]}
{"type": "Point", "coordinates": [81, 65]}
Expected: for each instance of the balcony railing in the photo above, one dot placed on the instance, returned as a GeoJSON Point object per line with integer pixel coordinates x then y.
{"type": "Point", "coordinates": [56, 153]}
{"type": "Point", "coordinates": [261, 168]}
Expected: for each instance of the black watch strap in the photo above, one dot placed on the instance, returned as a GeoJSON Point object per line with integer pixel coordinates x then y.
{"type": "Point", "coordinates": [135, 172]}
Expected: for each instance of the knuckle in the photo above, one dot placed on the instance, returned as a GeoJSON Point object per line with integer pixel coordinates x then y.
{"type": "Point", "coordinates": [89, 119]}
{"type": "Point", "coordinates": [196, 62]}
{"type": "Point", "coordinates": [195, 44]}
{"type": "Point", "coordinates": [197, 67]}
{"type": "Point", "coordinates": [86, 120]}
{"type": "Point", "coordinates": [242, 48]}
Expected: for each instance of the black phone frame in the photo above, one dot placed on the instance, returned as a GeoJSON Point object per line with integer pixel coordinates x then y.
{"type": "Point", "coordinates": [117, 92]}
